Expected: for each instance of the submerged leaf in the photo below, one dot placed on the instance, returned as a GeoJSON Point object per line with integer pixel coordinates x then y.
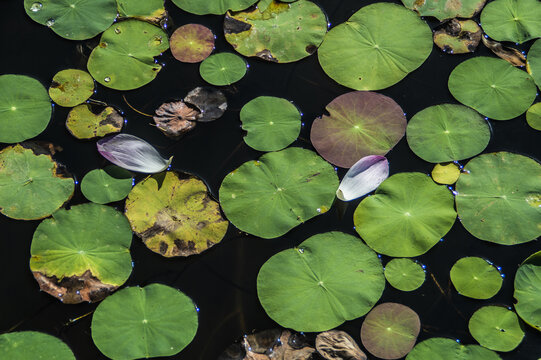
{"type": "Point", "coordinates": [210, 101]}
{"type": "Point", "coordinates": [175, 118]}
{"type": "Point", "coordinates": [458, 36]}
{"type": "Point", "coordinates": [363, 177]}
{"type": "Point", "coordinates": [192, 43]}
{"type": "Point", "coordinates": [84, 123]}
{"type": "Point", "coordinates": [509, 54]}
{"type": "Point", "coordinates": [336, 345]}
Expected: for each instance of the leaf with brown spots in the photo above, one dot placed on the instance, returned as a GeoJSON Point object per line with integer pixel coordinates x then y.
{"type": "Point", "coordinates": [458, 36]}
{"type": "Point", "coordinates": [192, 43]}
{"type": "Point", "coordinates": [445, 9]}
{"type": "Point", "coordinates": [87, 122]}
{"type": "Point", "coordinates": [509, 54]}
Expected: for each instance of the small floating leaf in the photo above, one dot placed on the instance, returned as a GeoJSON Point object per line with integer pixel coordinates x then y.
{"type": "Point", "coordinates": [192, 43]}
{"type": "Point", "coordinates": [528, 294]}
{"type": "Point", "coordinates": [148, 10]}
{"type": "Point", "coordinates": [175, 118]}
{"type": "Point", "coordinates": [332, 342]}
{"type": "Point", "coordinates": [533, 116]}
{"type": "Point", "coordinates": [83, 123]}
{"type": "Point", "coordinates": [210, 101]}
{"type": "Point", "coordinates": [404, 274]}
{"type": "Point", "coordinates": [474, 277]}
{"type": "Point", "coordinates": [445, 9]}
{"type": "Point", "coordinates": [446, 174]}
{"type": "Point", "coordinates": [103, 186]}
{"type": "Point", "coordinates": [458, 36]}
{"type": "Point", "coordinates": [30, 345]}
{"type": "Point", "coordinates": [199, 7]}
{"type": "Point", "coordinates": [363, 177]}
{"type": "Point", "coordinates": [222, 69]}
{"type": "Point", "coordinates": [509, 54]}
{"type": "Point", "coordinates": [300, 288]}
{"type": "Point", "coordinates": [71, 87]}
{"type": "Point", "coordinates": [534, 62]}
{"type": "Point", "coordinates": [496, 328]}
{"type": "Point", "coordinates": [446, 349]}
{"type": "Point", "coordinates": [512, 20]}
{"type": "Point", "coordinates": [271, 123]}
{"type": "Point", "coordinates": [148, 322]}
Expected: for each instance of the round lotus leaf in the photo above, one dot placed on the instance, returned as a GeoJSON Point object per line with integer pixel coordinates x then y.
{"type": "Point", "coordinates": [82, 254]}
{"type": "Point", "coordinates": [359, 124]}
{"type": "Point", "coordinates": [476, 278]}
{"type": "Point", "coordinates": [493, 87]}
{"type": "Point", "coordinates": [534, 259]}
{"type": "Point", "coordinates": [458, 36]}
{"type": "Point", "coordinates": [223, 69]}
{"type": "Point", "coordinates": [25, 108]}
{"type": "Point", "coordinates": [376, 48]}
{"type": "Point", "coordinates": [192, 43]}
{"type": "Point", "coordinates": [533, 64]}
{"type": "Point", "coordinates": [499, 198]}
{"type": "Point", "coordinates": [175, 215]}
{"type": "Point", "coordinates": [219, 7]}
{"type": "Point", "coordinates": [33, 186]}
{"type": "Point", "coordinates": [446, 174]}
{"type": "Point", "coordinates": [149, 10]}
{"type": "Point", "coordinates": [446, 349]}
{"type": "Point", "coordinates": [447, 132]}
{"type": "Point", "coordinates": [447, 9]}
{"type": "Point", "coordinates": [73, 19]}
{"type": "Point", "coordinates": [512, 20]}
{"type": "Point", "coordinates": [103, 186]}
{"type": "Point", "coordinates": [281, 190]}
{"type": "Point", "coordinates": [271, 123]}
{"type": "Point", "coordinates": [71, 87]}
{"type": "Point", "coordinates": [328, 279]}
{"type": "Point", "coordinates": [390, 330]}
{"type": "Point", "coordinates": [83, 123]}
{"type": "Point", "coordinates": [148, 322]}
{"type": "Point", "coordinates": [407, 216]}
{"type": "Point", "coordinates": [124, 58]}
{"type": "Point", "coordinates": [281, 33]}
{"type": "Point", "coordinates": [496, 328]}
{"type": "Point", "coordinates": [528, 294]}
{"type": "Point", "coordinates": [404, 274]}
{"type": "Point", "coordinates": [33, 345]}
{"type": "Point", "coordinates": [533, 116]}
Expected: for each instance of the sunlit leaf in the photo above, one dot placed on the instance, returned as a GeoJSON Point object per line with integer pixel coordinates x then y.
{"type": "Point", "coordinates": [446, 173]}
{"type": "Point", "coordinates": [86, 121]}
{"type": "Point", "coordinates": [533, 116]}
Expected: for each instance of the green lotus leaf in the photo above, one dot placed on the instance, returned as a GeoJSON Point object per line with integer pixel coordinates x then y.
{"type": "Point", "coordinates": [447, 9]}
{"type": "Point", "coordinates": [33, 345]}
{"type": "Point", "coordinates": [376, 48]}
{"type": "Point", "coordinates": [499, 196]}
{"type": "Point", "coordinates": [493, 87]}
{"type": "Point", "coordinates": [533, 116]}
{"type": "Point", "coordinates": [124, 58]}
{"type": "Point", "coordinates": [192, 43]}
{"type": "Point", "coordinates": [71, 87]}
{"type": "Point", "coordinates": [533, 64]}
{"type": "Point", "coordinates": [32, 186]}
{"type": "Point", "coordinates": [175, 215]}
{"type": "Point", "coordinates": [84, 123]}
{"type": "Point", "coordinates": [534, 259]}
{"type": "Point", "coordinates": [82, 254]}
{"type": "Point", "coordinates": [446, 349]}
{"type": "Point", "coordinates": [458, 36]}
{"type": "Point", "coordinates": [476, 278]}
{"type": "Point", "coordinates": [223, 69]}
{"type": "Point", "coordinates": [359, 124]}
{"type": "Point", "coordinates": [281, 33]}
{"type": "Point", "coordinates": [528, 294]}
{"type": "Point", "coordinates": [407, 216]}
{"type": "Point", "coordinates": [271, 123]}
{"type": "Point", "coordinates": [390, 330]}
{"type": "Point", "coordinates": [496, 328]}
{"type": "Point", "coordinates": [73, 19]}
{"type": "Point", "coordinates": [103, 186]}
{"type": "Point", "coordinates": [25, 108]}
{"type": "Point", "coordinates": [148, 10]}
{"type": "Point", "coordinates": [404, 274]}
{"type": "Point", "coordinates": [281, 190]}
{"type": "Point", "coordinates": [328, 279]}
{"type": "Point", "coordinates": [216, 7]}
{"type": "Point", "coordinates": [447, 132]}
{"type": "Point", "coordinates": [512, 20]}
{"type": "Point", "coordinates": [446, 173]}
{"type": "Point", "coordinates": [136, 322]}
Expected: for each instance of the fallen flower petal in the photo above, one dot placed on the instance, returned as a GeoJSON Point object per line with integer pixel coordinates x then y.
{"type": "Point", "coordinates": [363, 177]}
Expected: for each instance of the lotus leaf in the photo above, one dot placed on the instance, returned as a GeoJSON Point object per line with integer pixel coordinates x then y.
{"type": "Point", "coordinates": [390, 330]}
{"type": "Point", "coordinates": [192, 43]}
{"type": "Point", "coordinates": [174, 214]}
{"type": "Point", "coordinates": [376, 48]}
{"type": "Point", "coordinates": [476, 278]}
{"type": "Point", "coordinates": [71, 87]}
{"type": "Point", "coordinates": [445, 349]}
{"type": "Point", "coordinates": [407, 216]}
{"type": "Point", "coordinates": [210, 102]}
{"type": "Point", "coordinates": [534, 62]}
{"type": "Point", "coordinates": [493, 87]}
{"type": "Point", "coordinates": [534, 259]}
{"type": "Point", "coordinates": [83, 123]}
{"type": "Point", "coordinates": [509, 54]}
{"type": "Point", "coordinates": [281, 33]}
{"type": "Point", "coordinates": [533, 116]}
{"type": "Point", "coordinates": [446, 174]}
{"type": "Point", "coordinates": [359, 124]}
{"type": "Point", "coordinates": [175, 118]}
{"type": "Point", "coordinates": [32, 186]}
{"type": "Point", "coordinates": [512, 20]}
{"type": "Point", "coordinates": [103, 186]}
{"type": "Point", "coordinates": [25, 108]}
{"type": "Point", "coordinates": [404, 274]}
{"type": "Point", "coordinates": [458, 36]}
{"type": "Point", "coordinates": [528, 294]}
{"type": "Point", "coordinates": [271, 123]}
{"type": "Point", "coordinates": [447, 9]}
{"type": "Point", "coordinates": [498, 198]}
{"type": "Point", "coordinates": [124, 58]}
{"type": "Point", "coordinates": [149, 10]}
{"type": "Point", "coordinates": [328, 279]}
{"type": "Point", "coordinates": [447, 132]}
{"type": "Point", "coordinates": [73, 19]}
{"type": "Point", "coordinates": [136, 322]}
{"type": "Point", "coordinates": [281, 190]}
{"type": "Point", "coordinates": [223, 69]}
{"type": "Point", "coordinates": [496, 328]}
{"type": "Point", "coordinates": [33, 345]}
{"type": "Point", "coordinates": [216, 7]}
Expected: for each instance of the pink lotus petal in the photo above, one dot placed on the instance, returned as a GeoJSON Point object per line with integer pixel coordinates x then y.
{"type": "Point", "coordinates": [363, 177]}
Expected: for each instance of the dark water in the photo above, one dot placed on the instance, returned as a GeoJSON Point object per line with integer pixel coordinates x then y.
{"type": "Point", "coordinates": [222, 280]}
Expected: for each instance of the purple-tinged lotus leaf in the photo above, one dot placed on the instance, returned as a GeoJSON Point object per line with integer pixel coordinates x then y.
{"type": "Point", "coordinates": [363, 177]}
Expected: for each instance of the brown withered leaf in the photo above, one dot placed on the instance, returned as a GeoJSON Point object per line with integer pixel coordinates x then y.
{"type": "Point", "coordinates": [511, 55]}
{"type": "Point", "coordinates": [458, 36]}
{"type": "Point", "coordinates": [211, 102]}
{"type": "Point", "coordinates": [175, 118]}
{"type": "Point", "coordinates": [338, 345]}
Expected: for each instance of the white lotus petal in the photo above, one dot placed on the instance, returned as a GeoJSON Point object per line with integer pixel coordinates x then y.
{"type": "Point", "coordinates": [363, 177]}
{"type": "Point", "coordinates": [132, 153]}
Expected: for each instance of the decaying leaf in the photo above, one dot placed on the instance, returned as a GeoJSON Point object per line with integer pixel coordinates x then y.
{"type": "Point", "coordinates": [175, 118]}
{"type": "Point", "coordinates": [458, 36]}
{"type": "Point", "coordinates": [192, 43]}
{"type": "Point", "coordinates": [338, 345]}
{"type": "Point", "coordinates": [210, 101]}
{"type": "Point", "coordinates": [86, 122]}
{"type": "Point", "coordinates": [509, 54]}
